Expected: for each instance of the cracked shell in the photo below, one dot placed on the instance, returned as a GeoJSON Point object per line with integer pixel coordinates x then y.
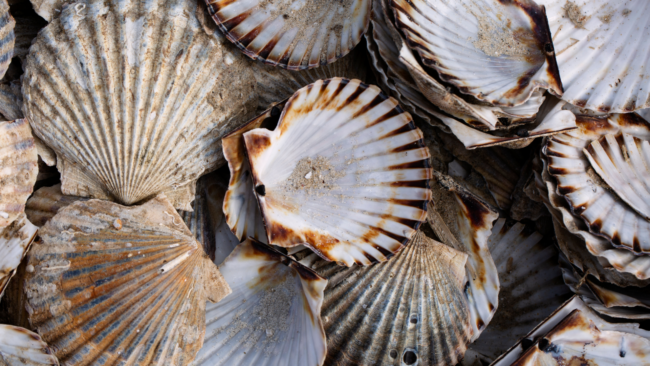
{"type": "Point", "coordinates": [21, 347]}
{"type": "Point", "coordinates": [356, 196]}
{"type": "Point", "coordinates": [15, 240]}
{"type": "Point", "coordinates": [134, 98]}
{"type": "Point", "coordinates": [102, 275]}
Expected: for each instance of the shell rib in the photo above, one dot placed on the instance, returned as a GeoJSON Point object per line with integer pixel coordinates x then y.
{"type": "Point", "coordinates": [113, 285]}
{"type": "Point", "coordinates": [20, 347]}
{"type": "Point", "coordinates": [295, 35]}
{"type": "Point", "coordinates": [406, 310]}
{"type": "Point", "coordinates": [7, 38]}
{"type": "Point", "coordinates": [498, 52]}
{"type": "Point", "coordinates": [370, 173]}
{"type": "Point", "coordinates": [46, 202]}
{"type": "Point", "coordinates": [272, 316]}
{"type": "Point", "coordinates": [600, 207]}
{"type": "Point", "coordinates": [134, 98]}
{"type": "Point", "coordinates": [19, 168]}
{"type": "Point", "coordinates": [602, 50]}
{"type": "Point", "coordinates": [15, 240]}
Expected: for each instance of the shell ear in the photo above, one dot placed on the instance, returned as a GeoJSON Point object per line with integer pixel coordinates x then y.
{"type": "Point", "coordinates": [215, 286]}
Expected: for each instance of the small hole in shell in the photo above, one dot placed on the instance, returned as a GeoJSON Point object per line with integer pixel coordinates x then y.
{"type": "Point", "coordinates": [393, 353]}
{"type": "Point", "coordinates": [410, 357]}
{"type": "Point", "coordinates": [414, 319]}
{"type": "Point", "coordinates": [548, 48]}
{"type": "Point", "coordinates": [261, 190]}
{"type": "Point", "coordinates": [526, 343]}
{"type": "Point", "coordinates": [543, 344]}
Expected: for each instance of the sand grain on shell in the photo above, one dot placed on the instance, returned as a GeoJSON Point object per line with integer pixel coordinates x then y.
{"type": "Point", "coordinates": [498, 40]}
{"type": "Point", "coordinates": [313, 175]}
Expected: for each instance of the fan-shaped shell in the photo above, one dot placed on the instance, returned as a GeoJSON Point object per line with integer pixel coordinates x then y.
{"type": "Point", "coordinates": [19, 167]}
{"type": "Point", "coordinates": [602, 48]}
{"type": "Point", "coordinates": [272, 316]}
{"type": "Point", "coordinates": [369, 167]}
{"type": "Point", "coordinates": [115, 285]}
{"type": "Point", "coordinates": [134, 100]}
{"type": "Point", "coordinates": [498, 52]}
{"type": "Point", "coordinates": [408, 310]}
{"type": "Point", "coordinates": [7, 37]}
{"type": "Point", "coordinates": [597, 203]}
{"type": "Point", "coordinates": [292, 34]}
{"type": "Point", "coordinates": [15, 240]}
{"type": "Point", "coordinates": [21, 347]}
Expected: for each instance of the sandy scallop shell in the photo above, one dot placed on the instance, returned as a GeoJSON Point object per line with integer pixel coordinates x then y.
{"type": "Point", "coordinates": [21, 347]}
{"type": "Point", "coordinates": [103, 273]}
{"type": "Point", "coordinates": [272, 316]}
{"type": "Point", "coordinates": [292, 34]}
{"type": "Point", "coordinates": [574, 334]}
{"type": "Point", "coordinates": [577, 160]}
{"type": "Point", "coordinates": [138, 106]}
{"type": "Point", "coordinates": [19, 162]}
{"type": "Point", "coordinates": [345, 172]}
{"type": "Point", "coordinates": [408, 310]}
{"type": "Point", "coordinates": [15, 240]}
{"type": "Point", "coordinates": [7, 37]}
{"type": "Point", "coordinates": [498, 52]}
{"type": "Point", "coordinates": [602, 50]}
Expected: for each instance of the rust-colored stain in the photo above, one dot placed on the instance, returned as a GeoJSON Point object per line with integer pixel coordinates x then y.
{"type": "Point", "coordinates": [256, 144]}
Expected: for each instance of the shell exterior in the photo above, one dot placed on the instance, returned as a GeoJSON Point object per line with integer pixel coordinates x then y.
{"type": "Point", "coordinates": [602, 48]}
{"type": "Point", "coordinates": [7, 37]}
{"type": "Point", "coordinates": [272, 316]}
{"type": "Point", "coordinates": [295, 35]}
{"type": "Point", "coordinates": [19, 168]}
{"type": "Point", "coordinates": [408, 310]}
{"type": "Point", "coordinates": [370, 173]}
{"type": "Point", "coordinates": [531, 285]}
{"type": "Point", "coordinates": [15, 240]}
{"type": "Point", "coordinates": [21, 347]}
{"type": "Point", "coordinates": [498, 52]}
{"type": "Point", "coordinates": [604, 211]}
{"type": "Point", "coordinates": [103, 275]}
{"type": "Point", "coordinates": [131, 113]}
{"type": "Point", "coordinates": [11, 101]}
{"type": "Point", "coordinates": [46, 202]}
{"type": "Point", "coordinates": [49, 9]}
{"type": "Point", "coordinates": [598, 342]}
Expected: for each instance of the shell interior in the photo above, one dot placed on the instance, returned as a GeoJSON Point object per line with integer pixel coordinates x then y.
{"type": "Point", "coordinates": [345, 172]}
{"type": "Point", "coordinates": [19, 346]}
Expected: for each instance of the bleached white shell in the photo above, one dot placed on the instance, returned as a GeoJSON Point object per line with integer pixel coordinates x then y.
{"type": "Point", "coordinates": [605, 213]}
{"type": "Point", "coordinates": [18, 168]}
{"type": "Point", "coordinates": [498, 52]}
{"type": "Point", "coordinates": [15, 240]}
{"type": "Point", "coordinates": [371, 161]}
{"type": "Point", "coordinates": [602, 48]}
{"type": "Point", "coordinates": [292, 34]}
{"type": "Point", "coordinates": [134, 100]}
{"type": "Point", "coordinates": [120, 285]}
{"type": "Point", "coordinates": [272, 316]}
{"type": "Point", "coordinates": [21, 347]}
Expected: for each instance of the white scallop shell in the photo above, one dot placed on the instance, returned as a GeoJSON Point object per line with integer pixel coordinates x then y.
{"type": "Point", "coordinates": [498, 52]}
{"type": "Point", "coordinates": [15, 240]}
{"type": "Point", "coordinates": [272, 316]}
{"type": "Point", "coordinates": [369, 191]}
{"type": "Point", "coordinates": [138, 105]}
{"type": "Point", "coordinates": [602, 48]}
{"type": "Point", "coordinates": [292, 34]}
{"type": "Point", "coordinates": [21, 347]}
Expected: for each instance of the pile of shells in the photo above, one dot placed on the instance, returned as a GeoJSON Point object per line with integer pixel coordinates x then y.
{"type": "Point", "coordinates": [307, 182]}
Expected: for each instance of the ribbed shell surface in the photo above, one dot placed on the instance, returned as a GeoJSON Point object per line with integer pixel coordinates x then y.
{"type": "Point", "coordinates": [370, 173]}
{"type": "Point", "coordinates": [14, 243]}
{"type": "Point", "coordinates": [406, 311]}
{"type": "Point", "coordinates": [272, 317]}
{"type": "Point", "coordinates": [7, 37]}
{"type": "Point", "coordinates": [46, 202]}
{"type": "Point", "coordinates": [18, 168]}
{"type": "Point", "coordinates": [292, 34]}
{"type": "Point", "coordinates": [134, 98]}
{"type": "Point", "coordinates": [120, 285]}
{"type": "Point", "coordinates": [499, 52]}
{"type": "Point", "coordinates": [21, 347]}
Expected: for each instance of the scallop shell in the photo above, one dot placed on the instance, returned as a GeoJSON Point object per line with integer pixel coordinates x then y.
{"type": "Point", "coordinates": [139, 106]}
{"type": "Point", "coordinates": [101, 276]}
{"type": "Point", "coordinates": [602, 48]}
{"type": "Point", "coordinates": [602, 207]}
{"type": "Point", "coordinates": [598, 342]}
{"type": "Point", "coordinates": [15, 240]}
{"type": "Point", "coordinates": [608, 299]}
{"type": "Point", "coordinates": [370, 173]}
{"type": "Point", "coordinates": [19, 162]}
{"type": "Point", "coordinates": [7, 37]}
{"type": "Point", "coordinates": [50, 9]}
{"type": "Point", "coordinates": [207, 222]}
{"type": "Point", "coordinates": [272, 316]}
{"type": "Point", "coordinates": [508, 44]}
{"type": "Point", "coordinates": [295, 35]}
{"type": "Point", "coordinates": [408, 310]}
{"type": "Point", "coordinates": [11, 101]}
{"type": "Point", "coordinates": [27, 27]}
{"type": "Point", "coordinates": [20, 347]}
{"type": "Point", "coordinates": [531, 285]}
{"type": "Point", "coordinates": [46, 202]}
